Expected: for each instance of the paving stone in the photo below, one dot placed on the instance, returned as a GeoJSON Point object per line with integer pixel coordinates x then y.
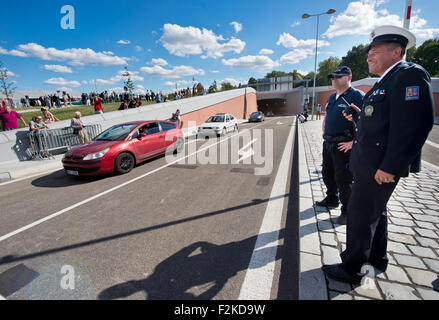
{"type": "Point", "coordinates": [339, 296]}
{"type": "Point", "coordinates": [425, 201]}
{"type": "Point", "coordinates": [322, 216]}
{"type": "Point", "coordinates": [391, 259]}
{"type": "Point", "coordinates": [433, 264]}
{"type": "Point", "coordinates": [361, 298]}
{"type": "Point", "coordinates": [395, 273]}
{"type": "Point", "coordinates": [413, 205]}
{"type": "Point", "coordinates": [427, 242]}
{"type": "Point", "coordinates": [409, 261]}
{"type": "Point", "coordinates": [341, 237]}
{"type": "Point", "coordinates": [422, 252]}
{"type": "Point", "coordinates": [401, 215]}
{"type": "Point", "coordinates": [401, 238]}
{"type": "Point", "coordinates": [401, 229]}
{"type": "Point", "coordinates": [397, 247]}
{"type": "Point", "coordinates": [423, 217]}
{"type": "Point", "coordinates": [369, 292]}
{"type": "Point", "coordinates": [426, 225]}
{"type": "Point", "coordinates": [340, 228]}
{"type": "Point", "coordinates": [433, 207]}
{"type": "Point", "coordinates": [395, 291]}
{"type": "Point", "coordinates": [325, 225]}
{"type": "Point", "coordinates": [339, 286]}
{"type": "Point", "coordinates": [404, 200]}
{"type": "Point", "coordinates": [428, 294]}
{"type": "Point", "coordinates": [426, 233]}
{"type": "Point", "coordinates": [328, 239]}
{"type": "Point", "coordinates": [395, 208]}
{"type": "Point", "coordinates": [403, 222]}
{"type": "Point", "coordinates": [413, 210]}
{"type": "Point", "coordinates": [330, 255]}
{"type": "Point", "coordinates": [312, 278]}
{"type": "Point", "coordinates": [422, 277]}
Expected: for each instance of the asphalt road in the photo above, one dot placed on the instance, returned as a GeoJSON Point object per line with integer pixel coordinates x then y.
{"type": "Point", "coordinates": [164, 231]}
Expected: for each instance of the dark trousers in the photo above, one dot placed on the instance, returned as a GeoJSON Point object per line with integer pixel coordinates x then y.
{"type": "Point", "coordinates": [336, 174]}
{"type": "Point", "coordinates": [366, 238]}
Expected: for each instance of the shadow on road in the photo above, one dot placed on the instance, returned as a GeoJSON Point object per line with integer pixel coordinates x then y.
{"type": "Point", "coordinates": [196, 272]}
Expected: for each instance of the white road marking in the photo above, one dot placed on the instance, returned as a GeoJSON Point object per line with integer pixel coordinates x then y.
{"type": "Point", "coordinates": [259, 277]}
{"type": "Point", "coordinates": [432, 144]}
{"type": "Point", "coordinates": [244, 153]}
{"type": "Point", "coordinates": [76, 205]}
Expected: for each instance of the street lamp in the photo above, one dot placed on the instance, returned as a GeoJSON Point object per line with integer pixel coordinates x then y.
{"type": "Point", "coordinates": [305, 16]}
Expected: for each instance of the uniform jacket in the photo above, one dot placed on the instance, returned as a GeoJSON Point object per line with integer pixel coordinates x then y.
{"type": "Point", "coordinates": [394, 123]}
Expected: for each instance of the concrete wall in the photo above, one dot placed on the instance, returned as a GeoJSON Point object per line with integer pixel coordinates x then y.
{"type": "Point", "coordinates": [240, 103]}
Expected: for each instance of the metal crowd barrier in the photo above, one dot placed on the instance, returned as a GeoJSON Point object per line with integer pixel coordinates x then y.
{"type": "Point", "coordinates": [44, 142]}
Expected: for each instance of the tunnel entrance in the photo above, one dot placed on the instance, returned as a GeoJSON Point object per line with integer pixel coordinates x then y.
{"type": "Point", "coordinates": [277, 106]}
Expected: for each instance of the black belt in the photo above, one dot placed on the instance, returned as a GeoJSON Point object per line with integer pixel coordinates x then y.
{"type": "Point", "coordinates": [337, 138]}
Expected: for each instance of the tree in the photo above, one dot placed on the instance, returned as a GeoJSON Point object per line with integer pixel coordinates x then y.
{"type": "Point", "coordinates": [426, 55]}
{"type": "Point", "coordinates": [356, 59]}
{"type": "Point", "coordinates": [277, 74]}
{"type": "Point", "coordinates": [129, 84]}
{"type": "Point", "coordinates": [213, 88]}
{"type": "Point", "coordinates": [226, 86]}
{"type": "Point", "coordinates": [200, 88]}
{"type": "Point", "coordinates": [326, 67]}
{"type": "Point", "coordinates": [7, 87]}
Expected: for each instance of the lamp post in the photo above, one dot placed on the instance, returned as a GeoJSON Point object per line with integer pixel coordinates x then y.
{"type": "Point", "coordinates": [305, 16]}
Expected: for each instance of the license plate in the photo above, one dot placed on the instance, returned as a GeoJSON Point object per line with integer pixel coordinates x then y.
{"type": "Point", "coordinates": [72, 173]}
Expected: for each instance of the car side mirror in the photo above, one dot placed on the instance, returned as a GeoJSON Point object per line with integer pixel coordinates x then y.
{"type": "Point", "coordinates": [141, 136]}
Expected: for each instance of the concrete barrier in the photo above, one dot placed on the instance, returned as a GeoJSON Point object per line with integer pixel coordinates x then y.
{"type": "Point", "coordinates": [239, 102]}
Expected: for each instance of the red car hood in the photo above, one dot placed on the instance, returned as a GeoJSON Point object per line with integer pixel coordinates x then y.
{"type": "Point", "coordinates": [92, 147]}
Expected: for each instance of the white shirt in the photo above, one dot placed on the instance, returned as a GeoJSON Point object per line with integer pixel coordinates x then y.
{"type": "Point", "coordinates": [388, 70]}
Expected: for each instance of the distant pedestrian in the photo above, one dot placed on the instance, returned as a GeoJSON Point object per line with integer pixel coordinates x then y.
{"type": "Point", "coordinates": [123, 106]}
{"type": "Point", "coordinates": [79, 128]}
{"type": "Point", "coordinates": [97, 102]}
{"type": "Point", "coordinates": [37, 124]}
{"type": "Point", "coordinates": [10, 118]}
{"type": "Point", "coordinates": [318, 111]}
{"type": "Point", "coordinates": [47, 116]}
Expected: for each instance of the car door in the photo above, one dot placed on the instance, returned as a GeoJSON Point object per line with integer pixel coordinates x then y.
{"type": "Point", "coordinates": [151, 144]}
{"type": "Point", "coordinates": [169, 130]}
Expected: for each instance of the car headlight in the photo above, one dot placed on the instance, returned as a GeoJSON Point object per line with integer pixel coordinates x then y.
{"type": "Point", "coordinates": [97, 155]}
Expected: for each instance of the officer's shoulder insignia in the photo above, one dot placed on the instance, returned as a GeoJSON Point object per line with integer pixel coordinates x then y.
{"type": "Point", "coordinates": [412, 93]}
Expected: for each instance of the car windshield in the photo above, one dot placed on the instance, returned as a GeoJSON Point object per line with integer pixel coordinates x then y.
{"type": "Point", "coordinates": [254, 114]}
{"type": "Point", "coordinates": [116, 133]}
{"type": "Point", "coordinates": [216, 119]}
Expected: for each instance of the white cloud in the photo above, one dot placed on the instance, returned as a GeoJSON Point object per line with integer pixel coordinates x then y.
{"type": "Point", "coordinates": [237, 26]}
{"type": "Point", "coordinates": [290, 42]}
{"type": "Point", "coordinates": [58, 68]}
{"type": "Point", "coordinates": [295, 56]}
{"type": "Point", "coordinates": [158, 62]}
{"type": "Point", "coordinates": [134, 75]}
{"type": "Point", "coordinates": [295, 23]}
{"type": "Point", "coordinates": [124, 42]}
{"type": "Point", "coordinates": [62, 82]}
{"type": "Point", "coordinates": [10, 73]}
{"type": "Point", "coordinates": [232, 81]}
{"type": "Point", "coordinates": [251, 62]}
{"type": "Point", "coordinates": [138, 48]}
{"type": "Point", "coordinates": [175, 72]}
{"type": "Point", "coordinates": [182, 41]}
{"type": "Point", "coordinates": [178, 83]}
{"type": "Point", "coordinates": [361, 17]}
{"type": "Point", "coordinates": [75, 56]}
{"type": "Point", "coordinates": [215, 71]}
{"type": "Point", "coordinates": [266, 51]}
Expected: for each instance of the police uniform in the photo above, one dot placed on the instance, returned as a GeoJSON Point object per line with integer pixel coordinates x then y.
{"type": "Point", "coordinates": [335, 172]}
{"type": "Point", "coordinates": [393, 125]}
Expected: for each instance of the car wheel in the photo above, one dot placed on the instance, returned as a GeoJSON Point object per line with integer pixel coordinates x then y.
{"type": "Point", "coordinates": [178, 146]}
{"type": "Point", "coordinates": [124, 163]}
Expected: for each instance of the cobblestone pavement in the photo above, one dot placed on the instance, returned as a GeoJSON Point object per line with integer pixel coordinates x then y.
{"type": "Point", "coordinates": [413, 246]}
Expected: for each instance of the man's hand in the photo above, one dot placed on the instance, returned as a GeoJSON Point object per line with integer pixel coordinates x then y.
{"type": "Point", "coordinates": [383, 177]}
{"type": "Point", "coordinates": [349, 116]}
{"type": "Point", "coordinates": [345, 146]}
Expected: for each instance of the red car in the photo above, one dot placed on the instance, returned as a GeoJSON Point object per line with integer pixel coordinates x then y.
{"type": "Point", "coordinates": [119, 148]}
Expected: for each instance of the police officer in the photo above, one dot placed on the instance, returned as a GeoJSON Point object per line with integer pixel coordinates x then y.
{"type": "Point", "coordinates": [393, 125]}
{"type": "Point", "coordinates": [338, 135]}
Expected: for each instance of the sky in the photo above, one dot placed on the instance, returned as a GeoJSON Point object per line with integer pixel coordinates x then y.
{"type": "Point", "coordinates": [169, 44]}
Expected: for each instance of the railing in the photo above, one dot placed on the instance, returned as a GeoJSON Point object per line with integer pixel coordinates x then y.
{"type": "Point", "coordinates": [44, 142]}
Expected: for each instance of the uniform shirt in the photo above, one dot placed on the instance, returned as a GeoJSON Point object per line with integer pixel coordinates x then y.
{"type": "Point", "coordinates": [335, 123]}
{"type": "Point", "coordinates": [394, 123]}
{"type": "Point", "coordinates": [9, 120]}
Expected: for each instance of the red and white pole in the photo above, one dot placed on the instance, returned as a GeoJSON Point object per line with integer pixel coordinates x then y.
{"type": "Point", "coordinates": [408, 13]}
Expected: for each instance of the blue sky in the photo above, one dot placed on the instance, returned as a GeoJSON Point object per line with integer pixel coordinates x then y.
{"type": "Point", "coordinates": [164, 43]}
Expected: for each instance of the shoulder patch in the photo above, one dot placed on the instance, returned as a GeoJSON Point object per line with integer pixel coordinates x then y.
{"type": "Point", "coordinates": [412, 93]}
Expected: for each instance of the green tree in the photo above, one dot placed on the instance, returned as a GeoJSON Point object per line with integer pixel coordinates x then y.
{"type": "Point", "coordinates": [326, 67]}
{"type": "Point", "coordinates": [276, 74]}
{"type": "Point", "coordinates": [356, 59]}
{"type": "Point", "coordinates": [227, 86]}
{"type": "Point", "coordinates": [200, 88]}
{"type": "Point", "coordinates": [129, 84]}
{"type": "Point", "coordinates": [426, 55]}
{"type": "Point", "coordinates": [7, 87]}
{"type": "Point", "coordinates": [213, 88]}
